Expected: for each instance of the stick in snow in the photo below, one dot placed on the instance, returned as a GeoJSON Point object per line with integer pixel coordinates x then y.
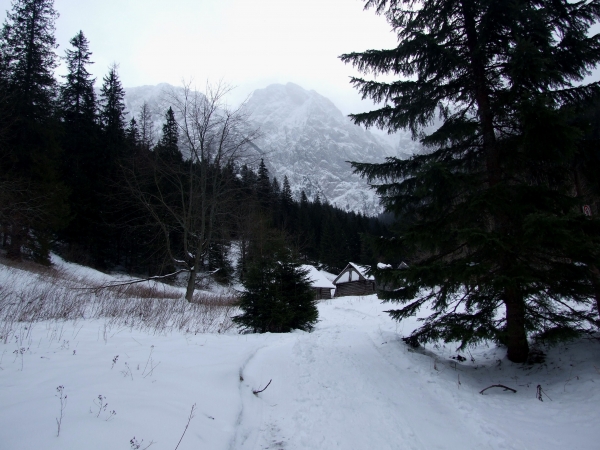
{"type": "Point", "coordinates": [506, 388]}
{"type": "Point", "coordinates": [263, 389]}
{"type": "Point", "coordinates": [188, 424]}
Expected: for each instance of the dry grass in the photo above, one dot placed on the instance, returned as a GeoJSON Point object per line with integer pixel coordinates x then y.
{"type": "Point", "coordinates": [47, 294]}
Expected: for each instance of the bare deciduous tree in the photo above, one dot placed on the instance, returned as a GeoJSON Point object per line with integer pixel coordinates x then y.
{"type": "Point", "coordinates": [146, 125]}
{"type": "Point", "coordinates": [186, 198]}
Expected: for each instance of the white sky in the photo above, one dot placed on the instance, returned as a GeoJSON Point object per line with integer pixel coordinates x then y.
{"type": "Point", "coordinates": [248, 43]}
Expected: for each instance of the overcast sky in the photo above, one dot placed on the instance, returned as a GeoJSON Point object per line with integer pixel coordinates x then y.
{"type": "Point", "coordinates": [248, 43]}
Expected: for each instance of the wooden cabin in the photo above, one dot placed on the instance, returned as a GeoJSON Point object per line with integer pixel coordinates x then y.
{"type": "Point", "coordinates": [322, 287]}
{"type": "Point", "coordinates": [388, 286]}
{"type": "Point", "coordinates": [353, 280]}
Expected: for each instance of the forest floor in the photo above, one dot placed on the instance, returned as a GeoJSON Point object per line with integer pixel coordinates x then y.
{"type": "Point", "coordinates": [351, 383]}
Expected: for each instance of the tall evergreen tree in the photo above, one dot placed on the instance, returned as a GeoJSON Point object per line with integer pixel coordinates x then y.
{"type": "Point", "coordinates": [275, 188]}
{"type": "Point", "coordinates": [497, 240]}
{"type": "Point", "coordinates": [168, 146]}
{"type": "Point", "coordinates": [114, 149]}
{"type": "Point", "coordinates": [286, 192]}
{"type": "Point", "coordinates": [263, 187]}
{"type": "Point", "coordinates": [80, 145]}
{"type": "Point", "coordinates": [112, 109]}
{"type": "Point", "coordinates": [28, 48]}
{"type": "Point", "coordinates": [77, 96]}
{"type": "Point", "coordinates": [31, 153]}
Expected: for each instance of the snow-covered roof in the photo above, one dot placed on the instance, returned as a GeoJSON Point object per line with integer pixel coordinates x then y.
{"type": "Point", "coordinates": [344, 276]}
{"type": "Point", "coordinates": [317, 279]}
{"type": "Point", "coordinates": [362, 270]}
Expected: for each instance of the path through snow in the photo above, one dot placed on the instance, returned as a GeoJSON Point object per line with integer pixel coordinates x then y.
{"type": "Point", "coordinates": [344, 387]}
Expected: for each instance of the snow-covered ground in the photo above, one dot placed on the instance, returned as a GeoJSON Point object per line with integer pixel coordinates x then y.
{"type": "Point", "coordinates": [350, 384]}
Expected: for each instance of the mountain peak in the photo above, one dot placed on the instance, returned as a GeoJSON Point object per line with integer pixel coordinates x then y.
{"type": "Point", "coordinates": [308, 139]}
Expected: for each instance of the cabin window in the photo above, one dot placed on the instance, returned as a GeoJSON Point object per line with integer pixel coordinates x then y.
{"type": "Point", "coordinates": [344, 278]}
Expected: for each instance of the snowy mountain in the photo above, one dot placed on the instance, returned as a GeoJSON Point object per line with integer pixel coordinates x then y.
{"type": "Point", "coordinates": [304, 136]}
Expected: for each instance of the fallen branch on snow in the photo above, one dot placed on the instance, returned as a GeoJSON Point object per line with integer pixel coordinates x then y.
{"type": "Point", "coordinates": [506, 388]}
{"type": "Point", "coordinates": [129, 282]}
{"type": "Point", "coordinates": [263, 389]}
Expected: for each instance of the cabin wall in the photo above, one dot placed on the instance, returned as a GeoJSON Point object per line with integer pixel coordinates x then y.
{"type": "Point", "coordinates": [322, 293]}
{"type": "Point", "coordinates": [361, 287]}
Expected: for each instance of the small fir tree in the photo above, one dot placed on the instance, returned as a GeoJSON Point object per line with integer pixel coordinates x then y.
{"type": "Point", "coordinates": [278, 296]}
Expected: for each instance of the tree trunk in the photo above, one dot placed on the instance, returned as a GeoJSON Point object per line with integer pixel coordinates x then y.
{"type": "Point", "coordinates": [191, 286]}
{"type": "Point", "coordinates": [518, 347]}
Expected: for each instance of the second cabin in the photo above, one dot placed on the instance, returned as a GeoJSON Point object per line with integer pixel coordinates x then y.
{"type": "Point", "coordinates": [353, 280]}
{"type": "Point", "coordinates": [322, 287]}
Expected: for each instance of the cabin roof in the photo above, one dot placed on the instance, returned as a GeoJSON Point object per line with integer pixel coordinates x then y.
{"type": "Point", "coordinates": [317, 279]}
{"type": "Point", "coordinates": [361, 270]}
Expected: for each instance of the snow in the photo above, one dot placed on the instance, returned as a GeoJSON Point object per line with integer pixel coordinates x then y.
{"type": "Point", "coordinates": [350, 384]}
{"type": "Point", "coordinates": [318, 279]}
{"type": "Point", "coordinates": [362, 270]}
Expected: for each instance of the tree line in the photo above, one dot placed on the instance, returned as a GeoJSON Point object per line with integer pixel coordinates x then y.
{"type": "Point", "coordinates": [77, 177]}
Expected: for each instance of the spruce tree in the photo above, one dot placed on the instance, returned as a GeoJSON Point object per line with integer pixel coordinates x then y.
{"type": "Point", "coordinates": [28, 48]}
{"type": "Point", "coordinates": [77, 96]}
{"type": "Point", "coordinates": [80, 144]}
{"type": "Point", "coordinates": [278, 296]}
{"type": "Point", "coordinates": [114, 150]}
{"type": "Point", "coordinates": [168, 146]}
{"type": "Point", "coordinates": [132, 135]}
{"type": "Point", "coordinates": [498, 245]}
{"type": "Point", "coordinates": [286, 193]}
{"type": "Point", "coordinates": [275, 188]}
{"type": "Point", "coordinates": [263, 188]}
{"type": "Point", "coordinates": [31, 151]}
{"type": "Point", "coordinates": [112, 110]}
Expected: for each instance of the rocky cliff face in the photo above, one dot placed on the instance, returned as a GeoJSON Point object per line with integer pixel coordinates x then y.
{"type": "Point", "coordinates": [305, 137]}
